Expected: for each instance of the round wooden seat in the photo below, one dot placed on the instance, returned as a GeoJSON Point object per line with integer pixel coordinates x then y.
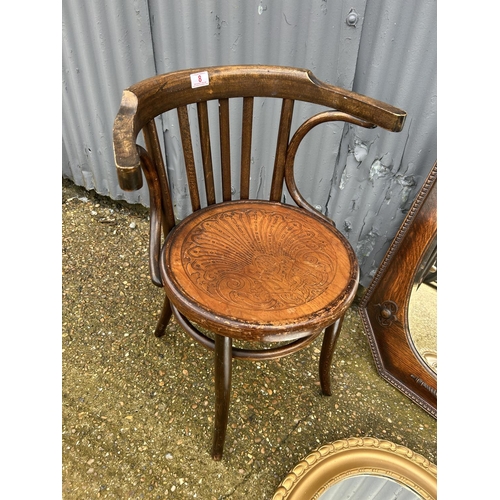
{"type": "Point", "coordinates": [259, 270]}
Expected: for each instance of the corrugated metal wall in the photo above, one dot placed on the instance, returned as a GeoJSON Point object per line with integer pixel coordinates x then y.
{"type": "Point", "coordinates": [364, 179]}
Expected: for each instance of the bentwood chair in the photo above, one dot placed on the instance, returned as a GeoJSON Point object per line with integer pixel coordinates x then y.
{"type": "Point", "coordinates": [258, 271]}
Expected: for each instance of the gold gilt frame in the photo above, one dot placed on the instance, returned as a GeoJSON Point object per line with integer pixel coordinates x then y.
{"type": "Point", "coordinates": [336, 461]}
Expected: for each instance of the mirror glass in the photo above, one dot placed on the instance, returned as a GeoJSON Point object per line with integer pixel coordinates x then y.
{"type": "Point", "coordinates": [363, 486]}
{"type": "Point", "coordinates": [422, 310]}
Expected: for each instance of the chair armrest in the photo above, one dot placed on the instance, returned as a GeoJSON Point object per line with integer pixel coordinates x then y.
{"type": "Point", "coordinates": [127, 160]}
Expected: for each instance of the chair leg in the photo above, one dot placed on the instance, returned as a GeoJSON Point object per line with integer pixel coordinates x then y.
{"type": "Point", "coordinates": [325, 361]}
{"type": "Point", "coordinates": [166, 314]}
{"type": "Point", "coordinates": [223, 362]}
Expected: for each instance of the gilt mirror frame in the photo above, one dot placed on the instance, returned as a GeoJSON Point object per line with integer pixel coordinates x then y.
{"type": "Point", "coordinates": [384, 306]}
{"type": "Point", "coordinates": [345, 458]}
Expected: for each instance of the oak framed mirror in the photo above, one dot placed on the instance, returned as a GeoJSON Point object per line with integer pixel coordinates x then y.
{"type": "Point", "coordinates": [360, 468]}
{"type": "Point", "coordinates": [401, 337]}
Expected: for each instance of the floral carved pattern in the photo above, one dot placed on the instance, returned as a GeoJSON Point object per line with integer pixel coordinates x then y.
{"type": "Point", "coordinates": [258, 259]}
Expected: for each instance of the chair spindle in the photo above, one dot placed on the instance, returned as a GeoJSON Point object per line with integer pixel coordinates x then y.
{"type": "Point", "coordinates": [246, 147]}
{"type": "Point", "coordinates": [281, 147]}
{"type": "Point", "coordinates": [187, 147]}
{"type": "Point", "coordinates": [206, 151]}
{"type": "Point", "coordinates": [225, 150]}
{"type": "Point", "coordinates": [153, 147]}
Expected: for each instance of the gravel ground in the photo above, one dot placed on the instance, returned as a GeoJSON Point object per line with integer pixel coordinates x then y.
{"type": "Point", "coordinates": [137, 411]}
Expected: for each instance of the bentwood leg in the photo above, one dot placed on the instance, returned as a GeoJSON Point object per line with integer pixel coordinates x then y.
{"type": "Point", "coordinates": [223, 358]}
{"type": "Point", "coordinates": [165, 316]}
{"type": "Point", "coordinates": [325, 360]}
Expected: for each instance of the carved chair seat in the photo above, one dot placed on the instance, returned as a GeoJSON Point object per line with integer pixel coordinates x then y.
{"type": "Point", "coordinates": [258, 271]}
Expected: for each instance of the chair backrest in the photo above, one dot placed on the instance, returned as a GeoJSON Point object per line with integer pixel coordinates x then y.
{"type": "Point", "coordinates": [144, 101]}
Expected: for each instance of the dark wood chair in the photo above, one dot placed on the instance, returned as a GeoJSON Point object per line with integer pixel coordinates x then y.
{"type": "Point", "coordinates": [258, 271]}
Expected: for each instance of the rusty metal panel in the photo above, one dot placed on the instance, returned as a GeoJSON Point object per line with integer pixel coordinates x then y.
{"type": "Point", "coordinates": [365, 180]}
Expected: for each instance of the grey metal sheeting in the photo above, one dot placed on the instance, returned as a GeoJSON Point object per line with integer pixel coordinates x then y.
{"type": "Point", "coordinates": [364, 179]}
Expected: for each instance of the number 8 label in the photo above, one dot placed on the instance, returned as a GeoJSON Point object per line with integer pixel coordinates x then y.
{"type": "Point", "coordinates": [199, 79]}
